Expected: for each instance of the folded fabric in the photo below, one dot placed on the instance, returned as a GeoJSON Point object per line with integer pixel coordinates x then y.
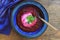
{"type": "Point", "coordinates": [5, 11]}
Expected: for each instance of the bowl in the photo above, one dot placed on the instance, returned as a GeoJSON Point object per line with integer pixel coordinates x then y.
{"type": "Point", "coordinates": [31, 30]}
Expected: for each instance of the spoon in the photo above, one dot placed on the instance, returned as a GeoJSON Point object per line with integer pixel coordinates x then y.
{"type": "Point", "coordinates": [46, 22]}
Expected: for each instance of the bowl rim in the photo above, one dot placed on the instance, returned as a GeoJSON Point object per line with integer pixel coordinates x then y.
{"type": "Point", "coordinates": [16, 28]}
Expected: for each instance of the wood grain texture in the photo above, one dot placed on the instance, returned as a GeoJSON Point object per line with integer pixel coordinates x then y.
{"type": "Point", "coordinates": [53, 9]}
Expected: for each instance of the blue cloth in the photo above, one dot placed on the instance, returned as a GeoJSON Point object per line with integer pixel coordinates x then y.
{"type": "Point", "coordinates": [5, 11]}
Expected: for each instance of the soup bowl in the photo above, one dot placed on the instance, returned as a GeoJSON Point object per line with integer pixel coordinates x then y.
{"type": "Point", "coordinates": [25, 21]}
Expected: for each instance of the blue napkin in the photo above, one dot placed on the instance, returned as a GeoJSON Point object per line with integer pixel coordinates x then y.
{"type": "Point", "coordinates": [5, 11]}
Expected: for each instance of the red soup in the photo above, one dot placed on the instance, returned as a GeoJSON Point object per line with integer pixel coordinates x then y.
{"type": "Point", "coordinates": [27, 19]}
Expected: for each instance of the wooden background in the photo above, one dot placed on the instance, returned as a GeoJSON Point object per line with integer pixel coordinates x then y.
{"type": "Point", "coordinates": [53, 9]}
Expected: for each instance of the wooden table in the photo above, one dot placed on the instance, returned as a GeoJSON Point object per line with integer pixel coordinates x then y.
{"type": "Point", "coordinates": [53, 9]}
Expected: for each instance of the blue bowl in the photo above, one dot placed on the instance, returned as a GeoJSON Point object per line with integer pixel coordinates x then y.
{"type": "Point", "coordinates": [37, 33]}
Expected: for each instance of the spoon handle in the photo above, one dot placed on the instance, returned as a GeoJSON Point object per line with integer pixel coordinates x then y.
{"type": "Point", "coordinates": [48, 24]}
